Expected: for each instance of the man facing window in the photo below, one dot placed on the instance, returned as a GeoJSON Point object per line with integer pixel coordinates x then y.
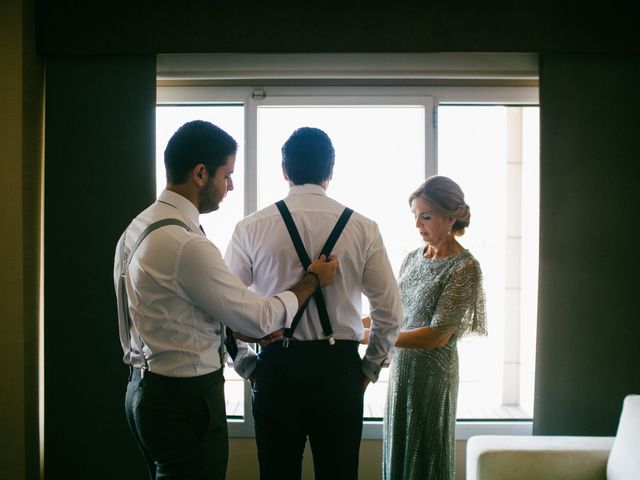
{"type": "Point", "coordinates": [310, 384]}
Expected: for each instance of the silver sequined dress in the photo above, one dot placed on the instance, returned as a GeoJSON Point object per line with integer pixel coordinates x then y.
{"type": "Point", "coordinates": [419, 425]}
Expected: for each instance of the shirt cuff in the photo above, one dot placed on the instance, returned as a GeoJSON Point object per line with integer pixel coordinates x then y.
{"type": "Point", "coordinates": [370, 370]}
{"type": "Point", "coordinates": [246, 365]}
{"type": "Point", "coordinates": [290, 302]}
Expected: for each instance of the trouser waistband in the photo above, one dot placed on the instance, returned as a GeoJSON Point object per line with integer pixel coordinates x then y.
{"type": "Point", "coordinates": [314, 345]}
{"type": "Point", "coordinates": [213, 377]}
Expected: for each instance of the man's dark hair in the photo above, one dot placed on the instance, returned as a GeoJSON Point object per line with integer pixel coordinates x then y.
{"type": "Point", "coordinates": [193, 143]}
{"type": "Point", "coordinates": [308, 156]}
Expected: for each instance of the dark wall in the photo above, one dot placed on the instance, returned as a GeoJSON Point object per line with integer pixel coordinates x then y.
{"type": "Point", "coordinates": [99, 173]}
{"type": "Point", "coordinates": [588, 354]}
{"type": "Point", "coordinates": [144, 26]}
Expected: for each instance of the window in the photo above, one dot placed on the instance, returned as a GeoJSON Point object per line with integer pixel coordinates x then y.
{"type": "Point", "coordinates": [390, 139]}
{"type": "Point", "coordinates": [492, 152]}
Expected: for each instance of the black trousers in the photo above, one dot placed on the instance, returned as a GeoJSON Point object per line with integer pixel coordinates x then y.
{"type": "Point", "coordinates": [179, 424]}
{"type": "Point", "coordinates": [309, 390]}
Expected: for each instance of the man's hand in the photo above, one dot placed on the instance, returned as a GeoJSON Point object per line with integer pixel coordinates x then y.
{"type": "Point", "coordinates": [325, 268]}
{"type": "Point", "coordinates": [264, 341]}
{"type": "Point", "coordinates": [365, 339]}
{"type": "Point", "coordinates": [272, 337]}
{"type": "Point", "coordinates": [324, 272]}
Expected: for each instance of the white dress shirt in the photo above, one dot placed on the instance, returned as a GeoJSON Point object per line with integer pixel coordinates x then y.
{"type": "Point", "coordinates": [181, 293]}
{"type": "Point", "coordinates": [262, 254]}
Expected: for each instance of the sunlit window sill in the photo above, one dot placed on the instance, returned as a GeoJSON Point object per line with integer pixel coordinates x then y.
{"type": "Point", "coordinates": [372, 429]}
{"type": "Point", "coordinates": [465, 428]}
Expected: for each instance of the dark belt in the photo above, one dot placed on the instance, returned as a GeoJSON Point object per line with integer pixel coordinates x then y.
{"type": "Point", "coordinates": [314, 345]}
{"type": "Point", "coordinates": [213, 377]}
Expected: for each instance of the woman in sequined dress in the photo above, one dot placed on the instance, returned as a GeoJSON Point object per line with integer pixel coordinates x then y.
{"type": "Point", "coordinates": [443, 299]}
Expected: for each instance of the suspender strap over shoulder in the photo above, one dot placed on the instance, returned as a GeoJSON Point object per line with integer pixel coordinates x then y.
{"type": "Point", "coordinates": [337, 230]}
{"type": "Point", "coordinates": [151, 228]}
{"type": "Point", "coordinates": [305, 261]}
{"type": "Point", "coordinates": [125, 260]}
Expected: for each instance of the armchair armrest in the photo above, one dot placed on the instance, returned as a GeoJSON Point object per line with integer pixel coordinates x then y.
{"type": "Point", "coordinates": [493, 457]}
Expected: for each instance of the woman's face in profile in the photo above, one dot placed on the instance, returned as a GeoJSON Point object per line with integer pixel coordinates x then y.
{"type": "Point", "coordinates": [433, 228]}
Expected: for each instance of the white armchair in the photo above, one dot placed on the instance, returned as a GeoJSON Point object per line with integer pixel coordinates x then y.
{"type": "Point", "coordinates": [506, 457]}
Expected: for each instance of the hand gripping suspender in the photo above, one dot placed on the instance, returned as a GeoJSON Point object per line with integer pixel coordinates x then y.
{"type": "Point", "coordinates": [125, 260]}
{"type": "Point", "coordinates": [305, 261]}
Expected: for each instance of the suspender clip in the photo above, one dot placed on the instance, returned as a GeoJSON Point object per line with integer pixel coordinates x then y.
{"type": "Point", "coordinates": [123, 268]}
{"type": "Point", "coordinates": [285, 342]}
{"type": "Point", "coordinates": [332, 341]}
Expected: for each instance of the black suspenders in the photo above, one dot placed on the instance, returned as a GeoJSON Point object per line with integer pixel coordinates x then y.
{"type": "Point", "coordinates": [305, 261]}
{"type": "Point", "coordinates": [125, 260]}
{"type": "Point", "coordinates": [226, 335]}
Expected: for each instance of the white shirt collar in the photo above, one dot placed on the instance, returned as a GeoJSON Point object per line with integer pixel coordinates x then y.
{"type": "Point", "coordinates": [306, 189]}
{"type": "Point", "coordinates": [185, 206]}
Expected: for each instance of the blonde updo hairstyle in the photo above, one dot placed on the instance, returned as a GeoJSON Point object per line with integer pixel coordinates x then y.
{"type": "Point", "coordinates": [445, 197]}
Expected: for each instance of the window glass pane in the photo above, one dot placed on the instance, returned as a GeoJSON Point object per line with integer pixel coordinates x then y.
{"type": "Point", "coordinates": [483, 149]}
{"type": "Point", "coordinates": [530, 237]}
{"type": "Point", "coordinates": [379, 162]}
{"type": "Point", "coordinates": [219, 224]}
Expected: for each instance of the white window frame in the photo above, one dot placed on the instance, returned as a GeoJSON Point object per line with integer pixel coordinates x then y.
{"type": "Point", "coordinates": [252, 97]}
